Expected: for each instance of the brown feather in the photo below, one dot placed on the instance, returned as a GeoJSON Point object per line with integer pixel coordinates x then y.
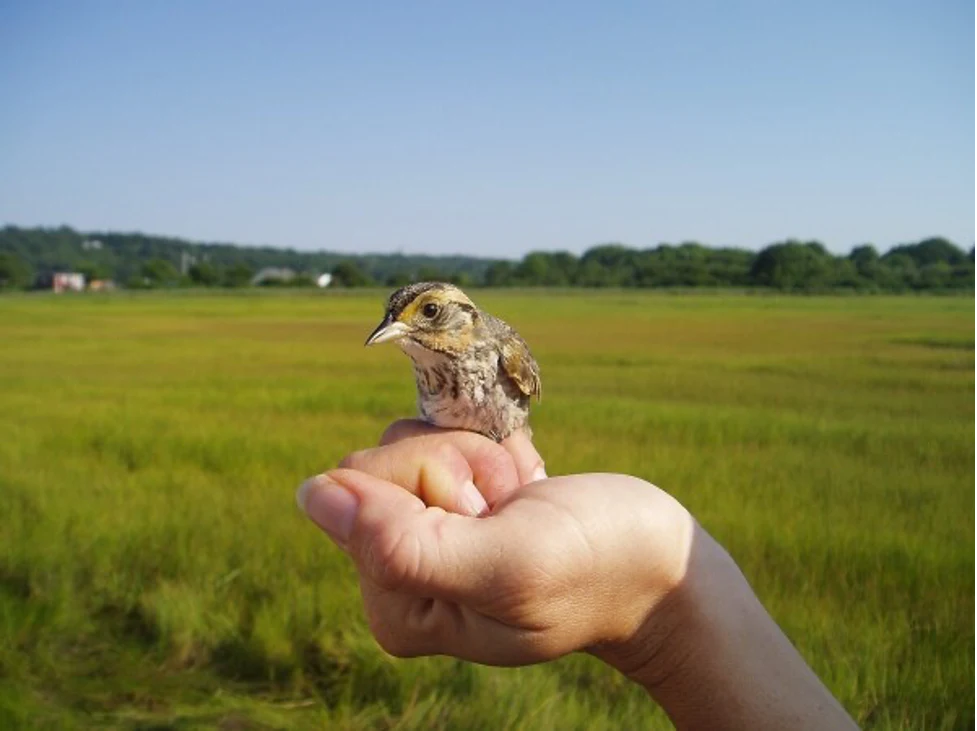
{"type": "Point", "coordinates": [520, 365]}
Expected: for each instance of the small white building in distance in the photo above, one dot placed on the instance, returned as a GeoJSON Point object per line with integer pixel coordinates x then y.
{"type": "Point", "coordinates": [323, 280]}
{"type": "Point", "coordinates": [67, 282]}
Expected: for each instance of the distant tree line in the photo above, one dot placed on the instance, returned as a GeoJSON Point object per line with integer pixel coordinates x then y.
{"type": "Point", "coordinates": [29, 256]}
{"type": "Point", "coordinates": [793, 266]}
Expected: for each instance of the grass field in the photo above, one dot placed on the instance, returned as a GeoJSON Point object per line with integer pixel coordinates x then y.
{"type": "Point", "coordinates": [155, 573]}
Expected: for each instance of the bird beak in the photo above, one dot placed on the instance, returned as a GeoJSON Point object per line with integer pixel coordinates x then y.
{"type": "Point", "coordinates": [387, 330]}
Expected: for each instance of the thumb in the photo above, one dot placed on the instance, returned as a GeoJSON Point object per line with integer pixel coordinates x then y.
{"type": "Point", "coordinates": [396, 541]}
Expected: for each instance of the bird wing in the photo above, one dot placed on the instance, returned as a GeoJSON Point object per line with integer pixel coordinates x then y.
{"type": "Point", "coordinates": [520, 365]}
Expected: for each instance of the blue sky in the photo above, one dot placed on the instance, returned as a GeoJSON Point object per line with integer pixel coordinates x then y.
{"type": "Point", "coordinates": [491, 128]}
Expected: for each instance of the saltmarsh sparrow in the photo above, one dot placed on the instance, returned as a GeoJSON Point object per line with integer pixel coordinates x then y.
{"type": "Point", "coordinates": [472, 370]}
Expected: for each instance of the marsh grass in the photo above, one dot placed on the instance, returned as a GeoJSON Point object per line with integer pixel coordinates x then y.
{"type": "Point", "coordinates": [154, 572]}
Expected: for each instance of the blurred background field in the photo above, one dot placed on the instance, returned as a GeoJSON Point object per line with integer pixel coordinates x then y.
{"type": "Point", "coordinates": [155, 573]}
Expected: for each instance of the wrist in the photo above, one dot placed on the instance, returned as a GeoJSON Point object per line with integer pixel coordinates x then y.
{"type": "Point", "coordinates": [664, 647]}
{"type": "Point", "coordinates": [712, 657]}
{"type": "Point", "coordinates": [698, 630]}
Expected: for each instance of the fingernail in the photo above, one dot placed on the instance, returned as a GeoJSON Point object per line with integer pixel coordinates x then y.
{"type": "Point", "coordinates": [472, 500]}
{"type": "Point", "coordinates": [330, 506]}
{"type": "Point", "coordinates": [539, 474]}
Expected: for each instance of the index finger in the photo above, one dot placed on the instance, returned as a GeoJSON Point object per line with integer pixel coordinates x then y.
{"type": "Point", "coordinates": [436, 465]}
{"type": "Point", "coordinates": [529, 464]}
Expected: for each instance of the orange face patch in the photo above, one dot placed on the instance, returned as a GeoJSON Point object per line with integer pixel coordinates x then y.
{"type": "Point", "coordinates": [445, 337]}
{"type": "Point", "coordinates": [438, 297]}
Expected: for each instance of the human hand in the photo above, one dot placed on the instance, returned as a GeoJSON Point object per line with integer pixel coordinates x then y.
{"type": "Point", "coordinates": [604, 563]}
{"type": "Point", "coordinates": [558, 565]}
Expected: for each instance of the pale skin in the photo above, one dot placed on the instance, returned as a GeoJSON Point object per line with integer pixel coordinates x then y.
{"type": "Point", "coordinates": [527, 569]}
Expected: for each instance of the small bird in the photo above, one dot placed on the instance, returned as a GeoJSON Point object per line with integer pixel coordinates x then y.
{"type": "Point", "coordinates": [472, 370]}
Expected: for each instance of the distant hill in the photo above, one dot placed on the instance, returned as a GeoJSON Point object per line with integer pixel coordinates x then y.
{"type": "Point", "coordinates": [124, 256]}
{"type": "Point", "coordinates": [29, 256]}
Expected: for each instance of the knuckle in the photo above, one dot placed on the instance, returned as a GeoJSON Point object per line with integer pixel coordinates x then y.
{"type": "Point", "coordinates": [400, 429]}
{"type": "Point", "coordinates": [355, 460]}
{"type": "Point", "coordinates": [392, 433]}
{"type": "Point", "coordinates": [497, 466]}
{"type": "Point", "coordinates": [448, 457]}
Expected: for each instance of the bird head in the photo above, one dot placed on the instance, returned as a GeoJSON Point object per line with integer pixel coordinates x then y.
{"type": "Point", "coordinates": [433, 315]}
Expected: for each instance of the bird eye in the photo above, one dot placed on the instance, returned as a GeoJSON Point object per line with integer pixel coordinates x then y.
{"type": "Point", "coordinates": [430, 309]}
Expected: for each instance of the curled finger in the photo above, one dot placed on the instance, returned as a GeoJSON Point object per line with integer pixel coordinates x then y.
{"type": "Point", "coordinates": [437, 472]}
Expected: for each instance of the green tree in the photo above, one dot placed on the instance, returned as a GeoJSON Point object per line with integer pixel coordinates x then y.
{"type": "Point", "coordinates": [730, 267]}
{"type": "Point", "coordinates": [400, 279]}
{"type": "Point", "coordinates": [237, 275]}
{"type": "Point", "coordinates": [963, 273]}
{"type": "Point", "coordinates": [688, 265]}
{"type": "Point", "coordinates": [534, 269]}
{"type": "Point", "coordinates": [204, 274]}
{"type": "Point", "coordinates": [845, 274]}
{"type": "Point", "coordinates": [545, 268]}
{"type": "Point", "coordinates": [868, 266]}
{"type": "Point", "coordinates": [429, 273]}
{"type": "Point", "coordinates": [793, 266]}
{"type": "Point", "coordinates": [936, 275]}
{"type": "Point", "coordinates": [160, 273]}
{"type": "Point", "coordinates": [592, 273]}
{"type": "Point", "coordinates": [899, 272]}
{"type": "Point", "coordinates": [929, 251]}
{"type": "Point", "coordinates": [609, 265]}
{"type": "Point", "coordinates": [499, 274]}
{"type": "Point", "coordinates": [92, 270]}
{"type": "Point", "coordinates": [864, 257]}
{"type": "Point", "coordinates": [348, 274]}
{"type": "Point", "coordinates": [15, 273]}
{"type": "Point", "coordinates": [462, 279]}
